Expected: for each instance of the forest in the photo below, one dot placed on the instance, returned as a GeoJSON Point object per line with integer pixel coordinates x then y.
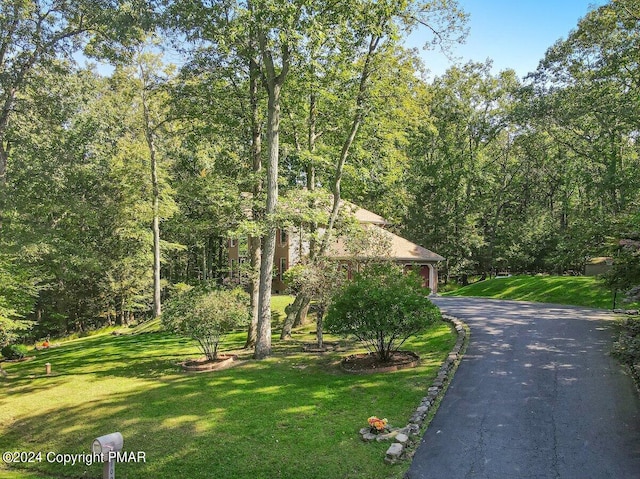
{"type": "Point", "coordinates": [123, 177]}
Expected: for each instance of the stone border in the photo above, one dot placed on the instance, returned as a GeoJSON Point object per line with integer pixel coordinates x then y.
{"type": "Point", "coordinates": [401, 448]}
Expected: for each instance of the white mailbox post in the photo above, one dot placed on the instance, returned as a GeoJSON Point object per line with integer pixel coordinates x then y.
{"type": "Point", "coordinates": [111, 443]}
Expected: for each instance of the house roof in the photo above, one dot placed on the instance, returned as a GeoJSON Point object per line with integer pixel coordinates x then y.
{"type": "Point", "coordinates": [395, 247]}
{"type": "Point", "coordinates": [366, 216]}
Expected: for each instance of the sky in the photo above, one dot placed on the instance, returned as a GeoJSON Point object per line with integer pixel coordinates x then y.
{"type": "Point", "coordinates": [513, 33]}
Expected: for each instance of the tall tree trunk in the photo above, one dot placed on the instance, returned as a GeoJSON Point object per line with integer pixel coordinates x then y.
{"type": "Point", "coordinates": [254, 291]}
{"type": "Point", "coordinates": [4, 156]}
{"type": "Point", "coordinates": [301, 314]}
{"type": "Point", "coordinates": [4, 149]}
{"type": "Point", "coordinates": [263, 340]}
{"type": "Point", "coordinates": [155, 227]}
{"type": "Point", "coordinates": [298, 313]}
{"type": "Point", "coordinates": [273, 83]}
{"type": "Point", "coordinates": [319, 328]}
{"type": "Point", "coordinates": [254, 243]}
{"type": "Point", "coordinates": [346, 147]}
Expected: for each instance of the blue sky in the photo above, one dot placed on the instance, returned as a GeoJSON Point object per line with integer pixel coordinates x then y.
{"type": "Point", "coordinates": [513, 33]}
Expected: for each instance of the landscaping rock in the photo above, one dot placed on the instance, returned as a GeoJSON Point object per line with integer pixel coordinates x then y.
{"type": "Point", "coordinates": [369, 436]}
{"type": "Point", "coordinates": [410, 429]}
{"type": "Point", "coordinates": [417, 419]}
{"type": "Point", "coordinates": [395, 451]}
{"type": "Point", "coordinates": [402, 438]}
{"type": "Point", "coordinates": [386, 437]}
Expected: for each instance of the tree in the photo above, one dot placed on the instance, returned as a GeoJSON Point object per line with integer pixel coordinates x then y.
{"type": "Point", "coordinates": [52, 221]}
{"type": "Point", "coordinates": [265, 35]}
{"type": "Point", "coordinates": [155, 120]}
{"type": "Point", "coordinates": [18, 291]}
{"type": "Point", "coordinates": [317, 281]}
{"type": "Point", "coordinates": [346, 79]}
{"type": "Point", "coordinates": [379, 26]}
{"type": "Point", "coordinates": [36, 33]}
{"type": "Point", "coordinates": [625, 273]}
{"type": "Point", "coordinates": [584, 96]}
{"type": "Point", "coordinates": [463, 169]}
{"type": "Point", "coordinates": [206, 316]}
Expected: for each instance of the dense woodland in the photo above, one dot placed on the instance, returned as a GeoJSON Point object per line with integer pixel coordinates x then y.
{"type": "Point", "coordinates": [118, 186]}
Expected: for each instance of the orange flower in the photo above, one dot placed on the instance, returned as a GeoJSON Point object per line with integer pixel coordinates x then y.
{"type": "Point", "coordinates": [377, 424]}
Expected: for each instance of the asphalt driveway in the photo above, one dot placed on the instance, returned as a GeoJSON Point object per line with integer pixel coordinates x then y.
{"type": "Point", "coordinates": [536, 396]}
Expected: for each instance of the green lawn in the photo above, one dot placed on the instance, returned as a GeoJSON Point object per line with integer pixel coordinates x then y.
{"type": "Point", "coordinates": [573, 290]}
{"type": "Point", "coordinates": [295, 415]}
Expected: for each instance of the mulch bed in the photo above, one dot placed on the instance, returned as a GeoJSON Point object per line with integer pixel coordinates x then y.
{"type": "Point", "coordinates": [370, 363]}
{"type": "Point", "coordinates": [21, 360]}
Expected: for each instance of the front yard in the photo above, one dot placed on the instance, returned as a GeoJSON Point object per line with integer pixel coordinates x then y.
{"type": "Point", "coordinates": [295, 415]}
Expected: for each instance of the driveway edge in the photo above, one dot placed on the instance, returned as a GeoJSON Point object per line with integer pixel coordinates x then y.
{"type": "Point", "coordinates": [404, 447]}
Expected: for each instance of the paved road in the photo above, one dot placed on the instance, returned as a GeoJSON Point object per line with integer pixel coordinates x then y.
{"type": "Point", "coordinates": [536, 397]}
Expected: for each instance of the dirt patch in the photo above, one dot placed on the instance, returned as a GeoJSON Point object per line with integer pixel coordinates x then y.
{"type": "Point", "coordinates": [224, 361]}
{"type": "Point", "coordinates": [327, 346]}
{"type": "Point", "coordinates": [370, 363]}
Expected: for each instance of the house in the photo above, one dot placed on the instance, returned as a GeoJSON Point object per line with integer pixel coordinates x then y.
{"type": "Point", "coordinates": [380, 243]}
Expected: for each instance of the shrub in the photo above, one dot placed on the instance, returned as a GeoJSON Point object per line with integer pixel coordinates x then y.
{"type": "Point", "coordinates": [206, 315]}
{"type": "Point", "coordinates": [14, 351]}
{"type": "Point", "coordinates": [627, 348]}
{"type": "Point", "coordinates": [382, 308]}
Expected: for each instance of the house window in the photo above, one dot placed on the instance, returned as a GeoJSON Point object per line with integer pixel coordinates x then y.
{"type": "Point", "coordinates": [243, 247]}
{"type": "Point", "coordinates": [233, 243]}
{"type": "Point", "coordinates": [345, 271]}
{"type": "Point", "coordinates": [283, 267]}
{"type": "Point", "coordinates": [283, 237]}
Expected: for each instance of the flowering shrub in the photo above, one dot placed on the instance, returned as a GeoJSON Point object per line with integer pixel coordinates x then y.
{"type": "Point", "coordinates": [376, 424]}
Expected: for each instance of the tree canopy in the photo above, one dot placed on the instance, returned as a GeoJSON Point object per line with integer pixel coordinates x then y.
{"type": "Point", "coordinates": [116, 189]}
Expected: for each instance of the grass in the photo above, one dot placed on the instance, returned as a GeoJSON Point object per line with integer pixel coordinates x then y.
{"type": "Point", "coordinates": [572, 290]}
{"type": "Point", "coordinates": [295, 415]}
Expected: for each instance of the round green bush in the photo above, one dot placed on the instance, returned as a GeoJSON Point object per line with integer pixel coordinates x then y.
{"type": "Point", "coordinates": [14, 351]}
{"type": "Point", "coordinates": [382, 308]}
{"type": "Point", "coordinates": [206, 315]}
